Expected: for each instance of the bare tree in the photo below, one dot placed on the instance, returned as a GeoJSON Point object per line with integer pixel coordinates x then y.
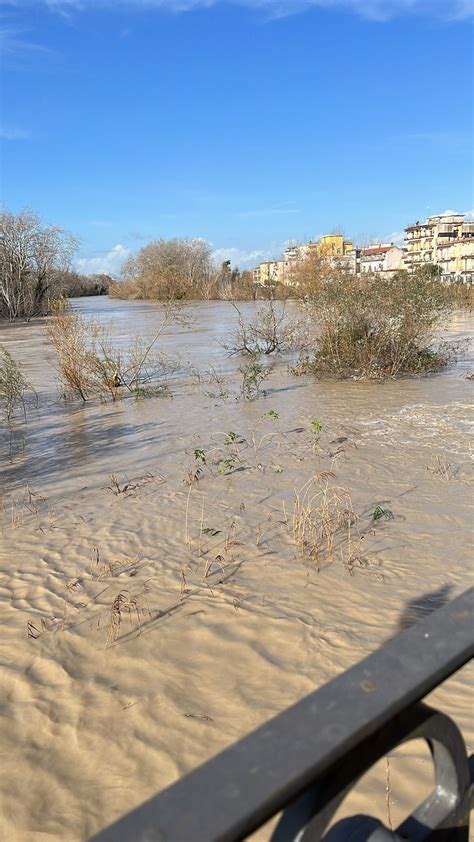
{"type": "Point", "coordinates": [30, 255]}
{"type": "Point", "coordinates": [269, 332]}
{"type": "Point", "coordinates": [171, 269]}
{"type": "Point", "coordinates": [307, 276]}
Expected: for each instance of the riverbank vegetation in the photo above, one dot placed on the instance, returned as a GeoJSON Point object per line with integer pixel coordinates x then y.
{"type": "Point", "coordinates": [182, 269]}
{"type": "Point", "coordinates": [270, 331]}
{"type": "Point", "coordinates": [351, 326]}
{"type": "Point", "coordinates": [13, 385]}
{"type": "Point", "coordinates": [69, 284]}
{"type": "Point", "coordinates": [375, 330]}
{"type": "Point", "coordinates": [90, 365]}
{"type": "Point", "coordinates": [32, 254]}
{"type": "Point", "coordinates": [35, 267]}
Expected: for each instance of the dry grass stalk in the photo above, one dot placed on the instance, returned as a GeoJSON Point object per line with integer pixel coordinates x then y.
{"type": "Point", "coordinates": [184, 590]}
{"type": "Point", "coordinates": [186, 526]}
{"type": "Point", "coordinates": [263, 528]}
{"type": "Point", "coordinates": [321, 513]}
{"type": "Point", "coordinates": [115, 486]}
{"type": "Point", "coordinates": [441, 467]}
{"type": "Point", "coordinates": [126, 602]}
{"type": "Point", "coordinates": [100, 570]}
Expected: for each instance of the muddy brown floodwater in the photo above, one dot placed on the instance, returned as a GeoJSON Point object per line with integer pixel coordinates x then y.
{"type": "Point", "coordinates": [148, 623]}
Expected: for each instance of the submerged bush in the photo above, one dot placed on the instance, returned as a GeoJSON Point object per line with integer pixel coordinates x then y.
{"type": "Point", "coordinates": [462, 294]}
{"type": "Point", "coordinates": [13, 384]}
{"type": "Point", "coordinates": [90, 365]}
{"type": "Point", "coordinates": [372, 327]}
{"type": "Point", "coordinates": [269, 332]}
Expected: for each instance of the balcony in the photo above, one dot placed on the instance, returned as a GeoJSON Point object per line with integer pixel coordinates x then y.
{"type": "Point", "coordinates": [446, 231]}
{"type": "Point", "coordinates": [307, 759]}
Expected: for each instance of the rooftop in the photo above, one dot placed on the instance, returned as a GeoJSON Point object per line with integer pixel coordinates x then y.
{"type": "Point", "coordinates": [381, 248]}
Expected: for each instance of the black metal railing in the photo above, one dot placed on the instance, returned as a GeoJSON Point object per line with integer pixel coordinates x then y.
{"type": "Point", "coordinates": [305, 760]}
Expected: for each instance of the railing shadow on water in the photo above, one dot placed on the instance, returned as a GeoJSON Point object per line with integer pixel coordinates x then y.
{"type": "Point", "coordinates": [307, 759]}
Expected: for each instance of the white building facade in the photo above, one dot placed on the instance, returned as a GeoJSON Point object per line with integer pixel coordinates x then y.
{"type": "Point", "coordinates": [380, 257]}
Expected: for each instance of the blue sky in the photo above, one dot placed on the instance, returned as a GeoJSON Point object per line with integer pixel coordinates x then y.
{"type": "Point", "coordinates": [246, 122]}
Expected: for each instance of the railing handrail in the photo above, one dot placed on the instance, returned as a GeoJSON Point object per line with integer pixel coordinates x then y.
{"type": "Point", "coordinates": [235, 792]}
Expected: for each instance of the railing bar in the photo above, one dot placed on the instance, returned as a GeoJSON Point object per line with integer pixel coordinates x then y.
{"type": "Point", "coordinates": [238, 790]}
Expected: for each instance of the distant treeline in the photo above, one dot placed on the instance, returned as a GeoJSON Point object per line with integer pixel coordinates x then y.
{"type": "Point", "coordinates": [184, 269]}
{"type": "Point", "coordinates": [69, 284]}
{"type": "Point", "coordinates": [35, 267]}
{"type": "Point", "coordinates": [35, 270]}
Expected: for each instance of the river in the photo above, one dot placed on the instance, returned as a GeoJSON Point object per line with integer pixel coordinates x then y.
{"type": "Point", "coordinates": [149, 620]}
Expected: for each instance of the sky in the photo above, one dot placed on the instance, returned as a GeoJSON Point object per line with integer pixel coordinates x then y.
{"type": "Point", "coordinates": [249, 123]}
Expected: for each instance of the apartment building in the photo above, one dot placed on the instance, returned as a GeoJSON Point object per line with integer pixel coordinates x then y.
{"type": "Point", "coordinates": [446, 240]}
{"type": "Point", "coordinates": [456, 259]}
{"type": "Point", "coordinates": [333, 247]}
{"type": "Point", "coordinates": [269, 273]}
{"type": "Point", "coordinates": [380, 257]}
{"type": "Point", "coordinates": [295, 253]}
{"type": "Point", "coordinates": [423, 238]}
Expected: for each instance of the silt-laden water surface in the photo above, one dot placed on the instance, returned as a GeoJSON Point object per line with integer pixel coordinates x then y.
{"type": "Point", "coordinates": [148, 622]}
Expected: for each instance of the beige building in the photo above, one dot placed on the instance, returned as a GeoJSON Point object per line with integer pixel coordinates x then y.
{"type": "Point", "coordinates": [423, 239]}
{"type": "Point", "coordinates": [269, 273]}
{"type": "Point", "coordinates": [291, 257]}
{"type": "Point", "coordinates": [456, 260]}
{"type": "Point", "coordinates": [332, 247]}
{"type": "Point", "coordinates": [380, 257]}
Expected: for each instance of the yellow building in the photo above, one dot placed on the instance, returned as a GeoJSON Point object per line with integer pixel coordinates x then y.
{"type": "Point", "coordinates": [456, 260]}
{"type": "Point", "coordinates": [331, 245]}
{"type": "Point", "coordinates": [270, 272]}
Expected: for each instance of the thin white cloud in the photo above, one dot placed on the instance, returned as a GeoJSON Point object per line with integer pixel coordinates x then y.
{"type": "Point", "coordinates": [469, 214]}
{"type": "Point", "coordinates": [13, 133]}
{"type": "Point", "coordinates": [104, 263]}
{"type": "Point", "coordinates": [377, 10]}
{"type": "Point", "coordinates": [242, 258]}
{"type": "Point", "coordinates": [12, 41]}
{"type": "Point", "coordinates": [396, 237]}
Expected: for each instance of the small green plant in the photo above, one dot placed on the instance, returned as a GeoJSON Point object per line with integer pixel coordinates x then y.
{"type": "Point", "coordinates": [272, 414]}
{"type": "Point", "coordinates": [231, 438]}
{"type": "Point", "coordinates": [225, 466]}
{"type": "Point", "coordinates": [316, 428]}
{"type": "Point", "coordinates": [200, 456]}
{"type": "Point", "coordinates": [253, 375]}
{"type": "Point", "coordinates": [379, 513]}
